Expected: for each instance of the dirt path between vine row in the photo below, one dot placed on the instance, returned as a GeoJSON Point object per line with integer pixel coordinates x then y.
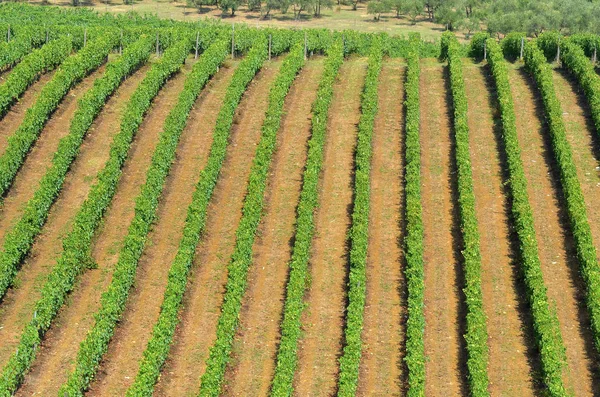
{"type": "Point", "coordinates": [206, 286]}
{"type": "Point", "coordinates": [443, 333]}
{"type": "Point", "coordinates": [323, 320]}
{"type": "Point", "coordinates": [15, 115]}
{"type": "Point", "coordinates": [556, 248]}
{"type": "Point", "coordinates": [60, 345]}
{"type": "Point", "coordinates": [585, 144]}
{"type": "Point", "coordinates": [17, 305]}
{"type": "Point", "coordinates": [383, 333]}
{"type": "Point", "coordinates": [255, 347]}
{"type": "Point", "coordinates": [121, 362]}
{"type": "Point", "coordinates": [509, 368]}
{"type": "Point", "coordinates": [40, 156]}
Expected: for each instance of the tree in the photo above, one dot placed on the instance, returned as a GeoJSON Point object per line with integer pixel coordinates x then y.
{"type": "Point", "coordinates": [378, 7]}
{"type": "Point", "coordinates": [227, 5]}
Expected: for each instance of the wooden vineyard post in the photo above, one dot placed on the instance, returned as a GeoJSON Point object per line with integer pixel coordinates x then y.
{"type": "Point", "coordinates": [121, 44]}
{"type": "Point", "coordinates": [522, 47]}
{"type": "Point", "coordinates": [594, 56]}
{"type": "Point", "coordinates": [558, 53]}
{"type": "Point", "coordinates": [232, 40]}
{"type": "Point", "coordinates": [484, 51]}
{"type": "Point", "coordinates": [157, 49]}
{"type": "Point", "coordinates": [305, 46]}
{"type": "Point", "coordinates": [84, 36]}
{"type": "Point", "coordinates": [47, 35]}
{"type": "Point", "coordinates": [270, 39]}
{"type": "Point", "coordinates": [197, 37]}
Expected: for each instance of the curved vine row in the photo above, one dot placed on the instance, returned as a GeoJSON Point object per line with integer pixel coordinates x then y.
{"type": "Point", "coordinates": [29, 69]}
{"type": "Point", "coordinates": [413, 242]}
{"type": "Point", "coordinates": [252, 209]}
{"type": "Point", "coordinates": [545, 323]}
{"type": "Point", "coordinates": [359, 231]}
{"type": "Point", "coordinates": [113, 301]}
{"type": "Point", "coordinates": [287, 357]}
{"type": "Point", "coordinates": [70, 72]}
{"type": "Point", "coordinates": [574, 59]}
{"type": "Point", "coordinates": [75, 257]}
{"type": "Point", "coordinates": [476, 333]}
{"type": "Point", "coordinates": [19, 239]}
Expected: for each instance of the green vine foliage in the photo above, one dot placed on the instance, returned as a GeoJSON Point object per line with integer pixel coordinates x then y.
{"type": "Point", "coordinates": [287, 355]}
{"type": "Point", "coordinates": [75, 257]}
{"type": "Point", "coordinates": [19, 239]}
{"type": "Point", "coordinates": [113, 301]}
{"type": "Point", "coordinates": [359, 231]}
{"type": "Point", "coordinates": [476, 333]}
{"type": "Point", "coordinates": [72, 70]}
{"type": "Point", "coordinates": [30, 68]}
{"type": "Point", "coordinates": [413, 242]}
{"type": "Point", "coordinates": [545, 323]}
{"type": "Point", "coordinates": [159, 345]}
{"type": "Point", "coordinates": [252, 210]}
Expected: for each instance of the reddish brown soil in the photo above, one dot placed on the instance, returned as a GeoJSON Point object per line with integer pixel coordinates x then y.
{"type": "Point", "coordinates": [13, 118]}
{"type": "Point", "coordinates": [383, 334]}
{"type": "Point", "coordinates": [323, 319]}
{"type": "Point", "coordinates": [40, 157]}
{"type": "Point", "coordinates": [559, 264]}
{"type": "Point", "coordinates": [443, 339]}
{"type": "Point", "coordinates": [508, 367]}
{"type": "Point", "coordinates": [125, 351]}
{"type": "Point", "coordinates": [585, 144]}
{"type": "Point", "coordinates": [197, 330]}
{"type": "Point", "coordinates": [255, 347]}
{"type": "Point", "coordinates": [61, 343]}
{"type": "Point", "coordinates": [16, 308]}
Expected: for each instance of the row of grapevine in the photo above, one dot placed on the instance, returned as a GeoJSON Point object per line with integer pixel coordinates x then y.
{"type": "Point", "coordinates": [476, 331]}
{"type": "Point", "coordinates": [575, 204]}
{"type": "Point", "coordinates": [252, 210]}
{"type": "Point", "coordinates": [13, 51]}
{"type": "Point", "coordinates": [19, 239]}
{"type": "Point", "coordinates": [158, 346]}
{"type": "Point", "coordinates": [114, 299]}
{"type": "Point", "coordinates": [574, 59]}
{"type": "Point", "coordinates": [545, 323]}
{"type": "Point", "coordinates": [70, 72]}
{"type": "Point", "coordinates": [287, 358]}
{"type": "Point", "coordinates": [413, 242]}
{"type": "Point", "coordinates": [29, 69]}
{"type": "Point", "coordinates": [359, 231]}
{"type": "Point", "coordinates": [75, 257]}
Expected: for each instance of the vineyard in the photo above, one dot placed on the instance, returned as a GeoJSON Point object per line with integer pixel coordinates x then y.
{"type": "Point", "coordinates": [212, 209]}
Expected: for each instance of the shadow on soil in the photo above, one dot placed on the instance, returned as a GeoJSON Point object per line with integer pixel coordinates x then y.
{"type": "Point", "coordinates": [457, 242]}
{"type": "Point", "coordinates": [523, 308]}
{"type": "Point", "coordinates": [568, 242]}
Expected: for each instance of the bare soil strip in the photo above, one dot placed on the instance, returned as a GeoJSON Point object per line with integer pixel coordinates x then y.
{"type": "Point", "coordinates": [15, 115]}
{"type": "Point", "coordinates": [585, 143]}
{"type": "Point", "coordinates": [17, 306]}
{"type": "Point", "coordinates": [443, 334]}
{"type": "Point", "coordinates": [197, 330]}
{"type": "Point", "coordinates": [40, 157]}
{"type": "Point", "coordinates": [509, 368]}
{"type": "Point", "coordinates": [556, 249]}
{"type": "Point", "coordinates": [62, 340]}
{"type": "Point", "coordinates": [383, 334]}
{"type": "Point", "coordinates": [255, 347]}
{"type": "Point", "coordinates": [323, 319]}
{"type": "Point", "coordinates": [131, 337]}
